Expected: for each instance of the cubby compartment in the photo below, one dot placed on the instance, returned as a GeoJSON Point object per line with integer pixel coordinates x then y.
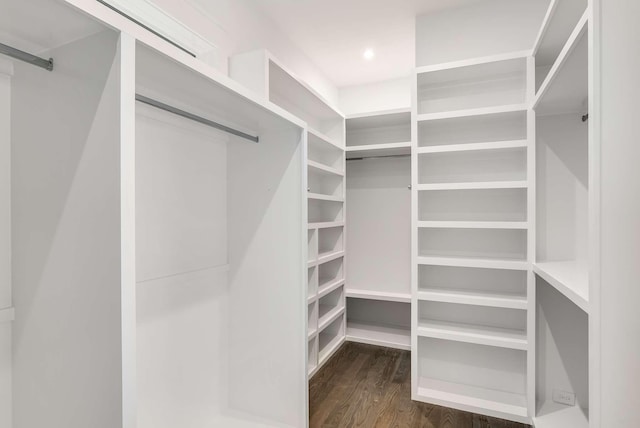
{"type": "Point", "coordinates": [321, 211]}
{"type": "Point", "coordinates": [473, 166]}
{"type": "Point", "coordinates": [330, 306]}
{"type": "Point", "coordinates": [562, 359]}
{"type": "Point", "coordinates": [330, 338]}
{"type": "Point", "coordinates": [379, 134]}
{"type": "Point", "coordinates": [312, 282]}
{"type": "Point", "coordinates": [378, 322]}
{"type": "Point", "coordinates": [501, 327]}
{"type": "Point", "coordinates": [481, 85]}
{"type": "Point", "coordinates": [473, 377]}
{"type": "Point", "coordinates": [330, 242]}
{"type": "Point", "coordinates": [562, 18]}
{"type": "Point", "coordinates": [325, 184]}
{"type": "Point", "coordinates": [495, 244]}
{"type": "Point", "coordinates": [473, 286]}
{"type": "Point", "coordinates": [330, 275]}
{"type": "Point", "coordinates": [485, 205]}
{"type": "Point", "coordinates": [312, 318]}
{"type": "Point", "coordinates": [492, 127]}
{"type": "Point", "coordinates": [324, 153]}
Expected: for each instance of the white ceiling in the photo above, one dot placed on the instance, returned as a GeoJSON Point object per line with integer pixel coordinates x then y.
{"type": "Point", "coordinates": [335, 33]}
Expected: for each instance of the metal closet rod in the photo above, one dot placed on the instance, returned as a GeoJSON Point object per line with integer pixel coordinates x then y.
{"type": "Point", "coordinates": [187, 115]}
{"type": "Point", "coordinates": [47, 64]}
{"type": "Point", "coordinates": [135, 21]}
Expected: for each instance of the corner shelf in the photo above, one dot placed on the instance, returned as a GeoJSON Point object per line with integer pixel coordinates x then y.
{"type": "Point", "coordinates": [473, 333]}
{"type": "Point", "coordinates": [378, 295]}
{"type": "Point", "coordinates": [474, 399]}
{"type": "Point", "coordinates": [467, 297]}
{"type": "Point", "coordinates": [571, 278]}
{"type": "Point", "coordinates": [496, 59]}
{"type": "Point", "coordinates": [379, 335]}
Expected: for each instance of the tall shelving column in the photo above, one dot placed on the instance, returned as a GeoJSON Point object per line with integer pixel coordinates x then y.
{"type": "Point", "coordinates": [566, 208]}
{"type": "Point", "coordinates": [471, 257]}
{"type": "Point", "coordinates": [325, 134]}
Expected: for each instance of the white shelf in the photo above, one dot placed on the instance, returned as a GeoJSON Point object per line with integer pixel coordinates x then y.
{"type": "Point", "coordinates": [7, 315]}
{"type": "Point", "coordinates": [474, 399]}
{"type": "Point", "coordinates": [477, 334]}
{"type": "Point", "coordinates": [327, 257]}
{"type": "Point", "coordinates": [473, 262]}
{"type": "Point", "coordinates": [325, 225]}
{"type": "Point", "coordinates": [378, 295]}
{"type": "Point", "coordinates": [474, 185]}
{"type": "Point", "coordinates": [373, 150]}
{"type": "Point", "coordinates": [447, 148]}
{"type": "Point", "coordinates": [472, 112]}
{"type": "Point", "coordinates": [330, 349]}
{"type": "Point", "coordinates": [571, 278]}
{"type": "Point", "coordinates": [323, 169]}
{"type": "Point", "coordinates": [327, 288]}
{"type": "Point", "coordinates": [379, 335]}
{"type": "Point", "coordinates": [329, 316]}
{"type": "Point", "coordinates": [465, 297]}
{"type": "Point", "coordinates": [473, 61]}
{"type": "Point", "coordinates": [474, 224]}
{"type": "Point", "coordinates": [312, 333]}
{"type": "Point", "coordinates": [554, 415]}
{"type": "Point", "coordinates": [565, 89]}
{"type": "Point", "coordinates": [323, 139]}
{"type": "Point", "coordinates": [321, 197]}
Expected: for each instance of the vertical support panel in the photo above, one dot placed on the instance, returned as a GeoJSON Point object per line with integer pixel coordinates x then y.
{"type": "Point", "coordinates": [414, 236]}
{"type": "Point", "coordinates": [6, 71]}
{"type": "Point", "coordinates": [67, 338]}
{"type": "Point", "coordinates": [127, 48]}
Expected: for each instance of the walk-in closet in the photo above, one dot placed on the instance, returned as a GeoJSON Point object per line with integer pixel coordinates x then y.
{"type": "Point", "coordinates": [285, 214]}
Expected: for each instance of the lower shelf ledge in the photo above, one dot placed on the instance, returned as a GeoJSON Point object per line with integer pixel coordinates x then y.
{"type": "Point", "coordinates": [499, 404]}
{"type": "Point", "coordinates": [330, 349]}
{"type": "Point", "coordinates": [553, 415]}
{"type": "Point", "coordinates": [379, 335]}
{"type": "Point", "coordinates": [7, 315]}
{"type": "Point", "coordinates": [356, 293]}
{"type": "Point", "coordinates": [472, 333]}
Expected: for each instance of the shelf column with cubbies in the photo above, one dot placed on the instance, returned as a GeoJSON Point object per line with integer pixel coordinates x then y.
{"type": "Point", "coordinates": [472, 221]}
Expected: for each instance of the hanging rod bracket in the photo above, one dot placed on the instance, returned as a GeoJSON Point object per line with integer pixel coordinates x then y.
{"type": "Point", "coordinates": [190, 116]}
{"type": "Point", "coordinates": [47, 64]}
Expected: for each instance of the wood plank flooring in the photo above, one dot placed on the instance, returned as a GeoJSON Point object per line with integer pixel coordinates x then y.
{"type": "Point", "coordinates": [370, 387]}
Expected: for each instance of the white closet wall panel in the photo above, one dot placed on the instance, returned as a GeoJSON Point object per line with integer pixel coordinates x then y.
{"type": "Point", "coordinates": [379, 218]}
{"type": "Point", "coordinates": [6, 70]}
{"type": "Point", "coordinates": [181, 177]}
{"type": "Point", "coordinates": [267, 257]}
{"type": "Point", "coordinates": [66, 238]}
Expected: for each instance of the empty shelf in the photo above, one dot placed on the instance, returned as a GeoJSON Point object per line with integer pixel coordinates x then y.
{"type": "Point", "coordinates": [327, 286]}
{"type": "Point", "coordinates": [475, 224]}
{"type": "Point", "coordinates": [327, 314]}
{"type": "Point", "coordinates": [466, 297]}
{"type": "Point", "coordinates": [379, 335]}
{"type": "Point", "coordinates": [497, 61]}
{"type": "Point", "coordinates": [321, 197]}
{"type": "Point", "coordinates": [472, 112]}
{"type": "Point", "coordinates": [471, 333]}
{"type": "Point", "coordinates": [374, 150]}
{"type": "Point", "coordinates": [330, 349]}
{"type": "Point", "coordinates": [474, 185]}
{"type": "Point", "coordinates": [447, 148]}
{"type": "Point", "coordinates": [328, 256]}
{"type": "Point", "coordinates": [472, 262]}
{"type": "Point", "coordinates": [322, 138]}
{"type": "Point", "coordinates": [571, 278]}
{"type": "Point", "coordinates": [553, 415]}
{"type": "Point", "coordinates": [474, 399]}
{"type": "Point", "coordinates": [325, 225]}
{"type": "Point", "coordinates": [378, 295]}
{"type": "Point", "coordinates": [323, 169]}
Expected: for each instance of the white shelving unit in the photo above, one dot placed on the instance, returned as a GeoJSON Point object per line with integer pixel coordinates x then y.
{"type": "Point", "coordinates": [325, 136]}
{"type": "Point", "coordinates": [378, 150]}
{"type": "Point", "coordinates": [148, 237]}
{"type": "Point", "coordinates": [472, 236]}
{"type": "Point", "coordinates": [565, 210]}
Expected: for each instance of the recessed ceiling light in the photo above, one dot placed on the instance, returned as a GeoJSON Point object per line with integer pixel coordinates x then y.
{"type": "Point", "coordinates": [368, 54]}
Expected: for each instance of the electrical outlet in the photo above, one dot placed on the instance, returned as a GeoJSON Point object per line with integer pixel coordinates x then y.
{"type": "Point", "coordinates": [564, 397]}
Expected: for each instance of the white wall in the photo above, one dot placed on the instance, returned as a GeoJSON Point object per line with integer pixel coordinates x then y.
{"type": "Point", "coordinates": [237, 26]}
{"type": "Point", "coordinates": [619, 67]}
{"type": "Point", "coordinates": [480, 29]}
{"type": "Point", "coordinates": [385, 95]}
{"type": "Point", "coordinates": [6, 70]}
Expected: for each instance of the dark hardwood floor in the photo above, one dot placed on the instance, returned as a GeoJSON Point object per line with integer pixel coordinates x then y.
{"type": "Point", "coordinates": [369, 386]}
